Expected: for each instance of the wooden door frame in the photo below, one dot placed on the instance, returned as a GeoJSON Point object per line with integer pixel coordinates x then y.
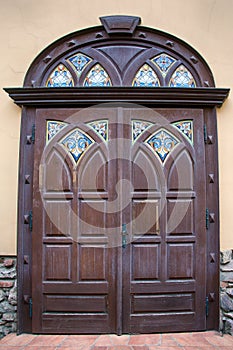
{"type": "Point", "coordinates": [34, 95]}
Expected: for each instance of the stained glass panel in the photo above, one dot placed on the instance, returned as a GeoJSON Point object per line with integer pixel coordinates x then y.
{"type": "Point", "coordinates": [138, 127]}
{"type": "Point", "coordinates": [60, 77]}
{"type": "Point", "coordinates": [101, 128]}
{"type": "Point", "coordinates": [76, 143]}
{"type": "Point", "coordinates": [186, 127]}
{"type": "Point", "coordinates": [163, 62]}
{"type": "Point", "coordinates": [79, 62]}
{"type": "Point", "coordinates": [53, 127]}
{"type": "Point", "coordinates": [97, 76]}
{"type": "Point", "coordinates": [182, 78]}
{"type": "Point", "coordinates": [162, 143]}
{"type": "Point", "coordinates": [146, 77]}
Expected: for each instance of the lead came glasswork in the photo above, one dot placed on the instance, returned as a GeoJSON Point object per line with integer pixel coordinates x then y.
{"type": "Point", "coordinates": [97, 76]}
{"type": "Point", "coordinates": [163, 62]}
{"type": "Point", "coordinates": [101, 128]}
{"type": "Point", "coordinates": [162, 143]}
{"type": "Point", "coordinates": [138, 127]}
{"type": "Point", "coordinates": [146, 77]}
{"type": "Point", "coordinates": [76, 143]}
{"type": "Point", "coordinates": [182, 78]}
{"type": "Point", "coordinates": [53, 127]}
{"type": "Point", "coordinates": [186, 127]}
{"type": "Point", "coordinates": [79, 62]}
{"type": "Point", "coordinates": [60, 77]}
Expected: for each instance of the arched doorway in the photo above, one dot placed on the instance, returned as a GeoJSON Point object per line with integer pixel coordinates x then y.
{"type": "Point", "coordinates": [118, 201]}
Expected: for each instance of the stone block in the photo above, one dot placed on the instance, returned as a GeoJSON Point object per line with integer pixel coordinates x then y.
{"type": "Point", "coordinates": [12, 298]}
{"type": "Point", "coordinates": [226, 302]}
{"type": "Point", "coordinates": [225, 256]}
{"type": "Point", "coordinates": [8, 273]}
{"type": "Point", "coordinates": [8, 316]}
{"type": "Point", "coordinates": [229, 326]}
{"type": "Point", "coordinates": [2, 295]}
{"type": "Point", "coordinates": [226, 276]}
{"type": "Point", "coordinates": [6, 284]}
{"type": "Point", "coordinates": [227, 267]}
{"type": "Point", "coordinates": [229, 291]}
{"type": "Point", "coordinates": [9, 262]}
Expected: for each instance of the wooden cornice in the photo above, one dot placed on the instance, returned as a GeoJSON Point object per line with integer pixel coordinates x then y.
{"type": "Point", "coordinates": [153, 97]}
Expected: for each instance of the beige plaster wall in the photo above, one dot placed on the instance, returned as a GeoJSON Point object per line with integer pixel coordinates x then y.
{"type": "Point", "coordinates": [28, 26]}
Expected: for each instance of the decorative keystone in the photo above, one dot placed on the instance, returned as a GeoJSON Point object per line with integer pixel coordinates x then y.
{"type": "Point", "coordinates": [120, 24]}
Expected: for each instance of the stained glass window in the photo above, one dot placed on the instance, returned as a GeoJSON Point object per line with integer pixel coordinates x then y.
{"type": "Point", "coordinates": [163, 62]}
{"type": "Point", "coordinates": [53, 127]}
{"type": "Point", "coordinates": [101, 128]}
{"type": "Point", "coordinates": [79, 62]}
{"type": "Point", "coordinates": [186, 127]}
{"type": "Point", "coordinates": [146, 77]}
{"type": "Point", "coordinates": [138, 127]}
{"type": "Point", "coordinates": [76, 143]}
{"type": "Point", "coordinates": [97, 76]}
{"type": "Point", "coordinates": [162, 143]}
{"type": "Point", "coordinates": [60, 77]}
{"type": "Point", "coordinates": [182, 78]}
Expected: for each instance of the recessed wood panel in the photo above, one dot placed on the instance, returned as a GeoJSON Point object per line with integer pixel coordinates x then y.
{"type": "Point", "coordinates": [180, 216]}
{"type": "Point", "coordinates": [93, 175]}
{"type": "Point", "coordinates": [75, 303]}
{"type": "Point", "coordinates": [180, 261]}
{"type": "Point", "coordinates": [146, 217]}
{"type": "Point", "coordinates": [57, 218]}
{"type": "Point", "coordinates": [92, 263]}
{"type": "Point", "coordinates": [57, 174]}
{"type": "Point", "coordinates": [145, 261]}
{"type": "Point", "coordinates": [162, 303]}
{"type": "Point", "coordinates": [144, 173]}
{"type": "Point", "coordinates": [92, 215]}
{"type": "Point", "coordinates": [57, 262]}
{"type": "Point", "coordinates": [181, 173]}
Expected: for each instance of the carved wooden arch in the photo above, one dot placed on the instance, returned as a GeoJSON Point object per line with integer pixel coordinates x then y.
{"type": "Point", "coordinates": [121, 46]}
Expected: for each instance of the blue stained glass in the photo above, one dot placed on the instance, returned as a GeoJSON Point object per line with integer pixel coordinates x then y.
{"type": "Point", "coordinates": [101, 127]}
{"type": "Point", "coordinates": [79, 62]}
{"type": "Point", "coordinates": [97, 76]}
{"type": "Point", "coordinates": [53, 127]}
{"type": "Point", "coordinates": [163, 62]}
{"type": "Point", "coordinates": [76, 143]}
{"type": "Point", "coordinates": [60, 77]}
{"type": "Point", "coordinates": [146, 77]}
{"type": "Point", "coordinates": [182, 78]}
{"type": "Point", "coordinates": [186, 127]}
{"type": "Point", "coordinates": [138, 127]}
{"type": "Point", "coordinates": [162, 143]}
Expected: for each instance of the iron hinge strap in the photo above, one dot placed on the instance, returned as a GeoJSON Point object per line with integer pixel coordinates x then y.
{"type": "Point", "coordinates": [33, 133]}
{"type": "Point", "coordinates": [30, 220]}
{"type": "Point", "coordinates": [30, 307]}
{"type": "Point", "coordinates": [207, 219]}
{"type": "Point", "coordinates": [207, 306]}
{"type": "Point", "coordinates": [205, 133]}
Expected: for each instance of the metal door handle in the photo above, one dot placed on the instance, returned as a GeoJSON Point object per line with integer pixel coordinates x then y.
{"type": "Point", "coordinates": [124, 236]}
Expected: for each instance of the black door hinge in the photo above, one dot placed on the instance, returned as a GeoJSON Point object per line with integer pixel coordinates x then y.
{"type": "Point", "coordinates": [207, 218]}
{"type": "Point", "coordinates": [205, 133]}
{"type": "Point", "coordinates": [30, 307]}
{"type": "Point", "coordinates": [207, 306]}
{"type": "Point", "coordinates": [31, 138]}
{"type": "Point", "coordinates": [30, 220]}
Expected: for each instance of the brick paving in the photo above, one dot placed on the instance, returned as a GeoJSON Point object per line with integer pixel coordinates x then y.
{"type": "Point", "coordinates": [173, 341]}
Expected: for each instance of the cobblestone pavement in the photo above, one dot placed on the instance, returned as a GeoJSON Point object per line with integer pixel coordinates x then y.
{"type": "Point", "coordinates": [173, 341]}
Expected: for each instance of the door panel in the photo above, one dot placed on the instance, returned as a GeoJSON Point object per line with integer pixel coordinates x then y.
{"type": "Point", "coordinates": [119, 231]}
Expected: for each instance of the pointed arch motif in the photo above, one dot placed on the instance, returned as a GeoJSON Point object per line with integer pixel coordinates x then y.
{"type": "Point", "coordinates": [60, 77]}
{"type": "Point", "coordinates": [182, 77]}
{"type": "Point", "coordinates": [146, 77]}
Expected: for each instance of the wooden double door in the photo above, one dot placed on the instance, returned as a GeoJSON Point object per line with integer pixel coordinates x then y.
{"type": "Point", "coordinates": [119, 241]}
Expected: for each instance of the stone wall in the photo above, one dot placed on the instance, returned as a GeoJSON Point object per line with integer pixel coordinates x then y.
{"type": "Point", "coordinates": [8, 295]}
{"type": "Point", "coordinates": [226, 291]}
